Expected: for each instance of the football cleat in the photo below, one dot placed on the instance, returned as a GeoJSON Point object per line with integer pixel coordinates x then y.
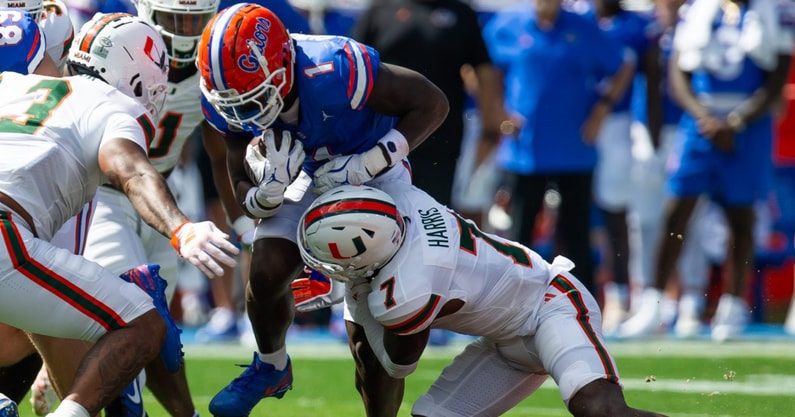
{"type": "Point", "coordinates": [222, 327]}
{"type": "Point", "coordinates": [259, 380]}
{"type": "Point", "coordinates": [42, 395]}
{"type": "Point", "coordinates": [147, 278]}
{"type": "Point", "coordinates": [8, 408]}
{"type": "Point", "coordinates": [129, 403]}
{"type": "Point", "coordinates": [731, 318]}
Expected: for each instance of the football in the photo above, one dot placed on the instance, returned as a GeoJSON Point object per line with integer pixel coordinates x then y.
{"type": "Point", "coordinates": [259, 142]}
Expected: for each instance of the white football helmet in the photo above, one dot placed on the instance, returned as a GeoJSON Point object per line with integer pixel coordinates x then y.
{"type": "Point", "coordinates": [350, 232]}
{"type": "Point", "coordinates": [34, 7]}
{"type": "Point", "coordinates": [180, 22]}
{"type": "Point", "coordinates": [125, 52]}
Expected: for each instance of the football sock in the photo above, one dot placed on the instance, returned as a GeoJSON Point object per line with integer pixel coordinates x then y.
{"type": "Point", "coordinates": [278, 358]}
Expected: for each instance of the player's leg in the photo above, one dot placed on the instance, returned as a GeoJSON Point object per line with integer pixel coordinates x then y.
{"type": "Point", "coordinates": [461, 390]}
{"type": "Point", "coordinates": [612, 193]}
{"type": "Point", "coordinates": [114, 242]}
{"type": "Point", "coordinates": [270, 306]}
{"type": "Point", "coordinates": [101, 308]}
{"type": "Point", "coordinates": [170, 388]}
{"type": "Point", "coordinates": [571, 348]}
{"type": "Point", "coordinates": [381, 394]}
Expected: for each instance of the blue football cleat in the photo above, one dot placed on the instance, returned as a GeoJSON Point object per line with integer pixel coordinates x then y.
{"type": "Point", "coordinates": [129, 403]}
{"type": "Point", "coordinates": [258, 381]}
{"type": "Point", "coordinates": [148, 279]}
{"type": "Point", "coordinates": [8, 408]}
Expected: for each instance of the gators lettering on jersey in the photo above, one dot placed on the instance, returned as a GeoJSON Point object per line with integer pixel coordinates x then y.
{"type": "Point", "coordinates": [334, 76]}
{"type": "Point", "coordinates": [21, 41]}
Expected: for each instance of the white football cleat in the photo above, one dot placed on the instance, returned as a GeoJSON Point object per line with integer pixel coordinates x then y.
{"type": "Point", "coordinates": [688, 321]}
{"type": "Point", "coordinates": [731, 318]}
{"type": "Point", "coordinates": [42, 394]}
{"type": "Point", "coordinates": [648, 319]}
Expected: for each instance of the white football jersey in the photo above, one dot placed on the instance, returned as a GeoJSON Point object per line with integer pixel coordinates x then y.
{"type": "Point", "coordinates": [58, 30]}
{"type": "Point", "coordinates": [180, 117]}
{"type": "Point", "coordinates": [51, 130]}
{"type": "Point", "coordinates": [445, 257]}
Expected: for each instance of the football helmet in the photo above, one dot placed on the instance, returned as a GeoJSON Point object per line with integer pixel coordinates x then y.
{"type": "Point", "coordinates": [180, 23]}
{"type": "Point", "coordinates": [350, 232]}
{"type": "Point", "coordinates": [34, 7]}
{"type": "Point", "coordinates": [246, 59]}
{"type": "Point", "coordinates": [125, 52]}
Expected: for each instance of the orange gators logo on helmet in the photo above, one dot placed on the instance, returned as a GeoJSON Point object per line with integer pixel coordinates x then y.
{"type": "Point", "coordinates": [241, 46]}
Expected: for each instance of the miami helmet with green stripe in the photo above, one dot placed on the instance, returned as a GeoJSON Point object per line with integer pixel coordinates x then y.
{"type": "Point", "coordinates": [350, 232]}
{"type": "Point", "coordinates": [125, 52]}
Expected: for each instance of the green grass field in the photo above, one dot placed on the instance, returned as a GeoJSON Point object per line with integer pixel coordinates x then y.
{"type": "Point", "coordinates": [689, 379]}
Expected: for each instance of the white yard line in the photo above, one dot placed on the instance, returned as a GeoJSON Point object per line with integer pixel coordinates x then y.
{"type": "Point", "coordinates": [646, 348]}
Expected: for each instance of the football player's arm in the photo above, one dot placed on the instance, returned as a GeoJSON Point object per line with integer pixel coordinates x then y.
{"type": "Point", "coordinates": [128, 169]}
{"type": "Point", "coordinates": [216, 150]}
{"type": "Point", "coordinates": [420, 105]}
{"type": "Point", "coordinates": [235, 162]}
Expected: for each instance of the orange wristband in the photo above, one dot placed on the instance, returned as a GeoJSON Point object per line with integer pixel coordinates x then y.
{"type": "Point", "coordinates": [174, 238]}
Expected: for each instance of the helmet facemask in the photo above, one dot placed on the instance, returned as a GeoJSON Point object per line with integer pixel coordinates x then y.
{"type": "Point", "coordinates": [179, 24]}
{"type": "Point", "coordinates": [260, 106]}
{"type": "Point", "coordinates": [34, 7]}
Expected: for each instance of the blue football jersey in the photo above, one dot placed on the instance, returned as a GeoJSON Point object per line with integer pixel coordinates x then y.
{"type": "Point", "coordinates": [334, 76]}
{"type": "Point", "coordinates": [21, 41]}
{"type": "Point", "coordinates": [631, 31]}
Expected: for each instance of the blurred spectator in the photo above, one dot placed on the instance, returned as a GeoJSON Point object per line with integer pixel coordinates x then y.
{"type": "Point", "coordinates": [80, 11]}
{"type": "Point", "coordinates": [613, 187]}
{"type": "Point", "coordinates": [437, 38]}
{"type": "Point", "coordinates": [728, 68]}
{"type": "Point", "coordinates": [331, 17]}
{"type": "Point", "coordinates": [551, 60]}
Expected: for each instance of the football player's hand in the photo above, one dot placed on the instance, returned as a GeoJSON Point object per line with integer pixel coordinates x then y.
{"type": "Point", "coordinates": [205, 246]}
{"type": "Point", "coordinates": [277, 168]}
{"type": "Point", "coordinates": [360, 168]}
{"type": "Point", "coordinates": [313, 291]}
{"type": "Point", "coordinates": [348, 169]}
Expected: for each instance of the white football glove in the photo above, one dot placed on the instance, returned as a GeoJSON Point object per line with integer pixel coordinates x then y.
{"type": "Point", "coordinates": [360, 168]}
{"type": "Point", "coordinates": [275, 170]}
{"type": "Point", "coordinates": [205, 246]}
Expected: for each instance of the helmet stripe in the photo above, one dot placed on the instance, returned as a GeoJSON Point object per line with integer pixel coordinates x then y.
{"type": "Point", "coordinates": [351, 206]}
{"type": "Point", "coordinates": [215, 57]}
{"type": "Point", "coordinates": [88, 38]}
